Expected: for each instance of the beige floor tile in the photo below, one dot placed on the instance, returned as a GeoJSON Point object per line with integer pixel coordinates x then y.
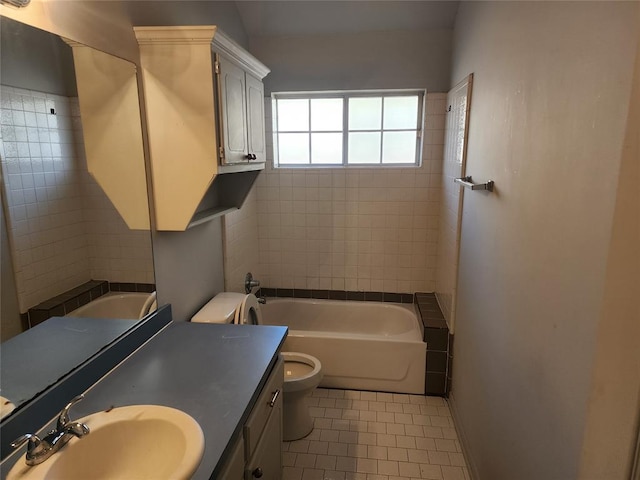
{"type": "Point", "coordinates": [366, 465]}
{"type": "Point", "coordinates": [407, 469]}
{"type": "Point", "coordinates": [338, 449]}
{"type": "Point", "coordinates": [376, 436]}
{"type": "Point", "coordinates": [403, 441]}
{"type": "Point", "coordinates": [291, 473]}
{"type": "Point", "coordinates": [318, 447]}
{"type": "Point", "coordinates": [359, 451]}
{"type": "Point", "coordinates": [305, 460]}
{"type": "Point", "coordinates": [452, 473]}
{"type": "Point", "coordinates": [376, 452]}
{"type": "Point", "coordinates": [312, 474]}
{"type": "Point", "coordinates": [388, 467]}
{"type": "Point", "coordinates": [431, 472]}
{"type": "Point", "coordinates": [326, 462]}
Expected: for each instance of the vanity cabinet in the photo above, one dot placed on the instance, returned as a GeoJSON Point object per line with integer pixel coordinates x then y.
{"type": "Point", "coordinates": [204, 101]}
{"type": "Point", "coordinates": [258, 453]}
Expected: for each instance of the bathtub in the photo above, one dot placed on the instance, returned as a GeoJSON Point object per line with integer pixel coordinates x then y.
{"type": "Point", "coordinates": [120, 305]}
{"type": "Point", "coordinates": [361, 345]}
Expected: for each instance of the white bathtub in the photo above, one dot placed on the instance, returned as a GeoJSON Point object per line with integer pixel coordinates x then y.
{"type": "Point", "coordinates": [361, 345]}
{"type": "Point", "coordinates": [121, 305]}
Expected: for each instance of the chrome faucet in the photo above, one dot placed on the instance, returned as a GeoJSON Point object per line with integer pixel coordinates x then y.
{"type": "Point", "coordinates": [39, 450]}
{"type": "Point", "coordinates": [249, 283]}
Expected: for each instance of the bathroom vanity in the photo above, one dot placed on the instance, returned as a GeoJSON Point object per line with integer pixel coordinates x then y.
{"type": "Point", "coordinates": [227, 377]}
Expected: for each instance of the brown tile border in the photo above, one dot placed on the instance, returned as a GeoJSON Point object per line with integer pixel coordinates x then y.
{"type": "Point", "coordinates": [70, 300]}
{"type": "Point", "coordinates": [357, 296]}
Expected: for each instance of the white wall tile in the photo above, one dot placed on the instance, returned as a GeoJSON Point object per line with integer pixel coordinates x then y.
{"type": "Point", "coordinates": [56, 222]}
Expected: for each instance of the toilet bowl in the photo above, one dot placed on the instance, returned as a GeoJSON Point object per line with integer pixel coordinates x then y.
{"type": "Point", "coordinates": [302, 374]}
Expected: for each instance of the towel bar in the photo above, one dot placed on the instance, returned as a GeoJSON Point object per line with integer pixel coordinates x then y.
{"type": "Point", "coordinates": [467, 182]}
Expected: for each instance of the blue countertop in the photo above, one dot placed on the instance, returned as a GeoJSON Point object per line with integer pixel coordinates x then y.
{"type": "Point", "coordinates": [212, 372]}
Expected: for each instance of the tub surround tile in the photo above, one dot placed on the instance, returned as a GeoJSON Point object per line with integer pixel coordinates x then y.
{"type": "Point", "coordinates": [439, 344]}
{"type": "Point", "coordinates": [373, 296]}
{"type": "Point", "coordinates": [355, 296]}
{"type": "Point", "coordinates": [358, 296]}
{"type": "Point", "coordinates": [337, 295]}
{"type": "Point", "coordinates": [70, 300]}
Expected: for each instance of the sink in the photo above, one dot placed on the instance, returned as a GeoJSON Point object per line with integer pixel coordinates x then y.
{"type": "Point", "coordinates": [138, 441]}
{"type": "Point", "coordinates": [6, 407]}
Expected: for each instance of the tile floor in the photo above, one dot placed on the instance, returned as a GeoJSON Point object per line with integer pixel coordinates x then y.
{"type": "Point", "coordinates": [376, 436]}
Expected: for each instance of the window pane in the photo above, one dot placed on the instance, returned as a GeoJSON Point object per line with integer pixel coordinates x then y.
{"type": "Point", "coordinates": [326, 148]}
{"type": "Point", "coordinates": [326, 114]}
{"type": "Point", "coordinates": [399, 147]}
{"type": "Point", "coordinates": [293, 148]}
{"type": "Point", "coordinates": [365, 113]}
{"type": "Point", "coordinates": [293, 115]}
{"type": "Point", "coordinates": [364, 147]}
{"type": "Point", "coordinates": [400, 112]}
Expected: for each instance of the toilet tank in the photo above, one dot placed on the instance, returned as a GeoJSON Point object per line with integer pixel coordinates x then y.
{"type": "Point", "coordinates": [220, 309]}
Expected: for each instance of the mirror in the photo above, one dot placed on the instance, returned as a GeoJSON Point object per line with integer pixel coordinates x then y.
{"type": "Point", "coordinates": [75, 215]}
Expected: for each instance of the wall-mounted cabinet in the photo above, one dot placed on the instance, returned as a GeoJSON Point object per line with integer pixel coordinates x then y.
{"type": "Point", "coordinates": [112, 135]}
{"type": "Point", "coordinates": [205, 114]}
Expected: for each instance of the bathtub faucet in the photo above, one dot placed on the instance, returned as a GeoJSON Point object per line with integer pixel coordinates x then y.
{"type": "Point", "coordinates": [249, 283]}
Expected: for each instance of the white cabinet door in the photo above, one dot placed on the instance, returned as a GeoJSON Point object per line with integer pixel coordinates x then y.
{"type": "Point", "coordinates": [266, 462]}
{"type": "Point", "coordinates": [255, 119]}
{"type": "Point", "coordinates": [233, 112]}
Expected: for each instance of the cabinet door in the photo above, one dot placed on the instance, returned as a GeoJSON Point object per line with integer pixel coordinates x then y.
{"type": "Point", "coordinates": [255, 119]}
{"type": "Point", "coordinates": [233, 121]}
{"type": "Point", "coordinates": [266, 462]}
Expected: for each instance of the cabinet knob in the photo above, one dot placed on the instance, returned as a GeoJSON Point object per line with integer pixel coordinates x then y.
{"type": "Point", "coordinates": [251, 156]}
{"type": "Point", "coordinates": [257, 473]}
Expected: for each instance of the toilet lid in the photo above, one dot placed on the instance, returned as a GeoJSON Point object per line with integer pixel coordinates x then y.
{"type": "Point", "coordinates": [243, 314]}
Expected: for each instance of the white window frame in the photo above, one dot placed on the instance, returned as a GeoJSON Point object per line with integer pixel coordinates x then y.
{"type": "Point", "coordinates": [346, 95]}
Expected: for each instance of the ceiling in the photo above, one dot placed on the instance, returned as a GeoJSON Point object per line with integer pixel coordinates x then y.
{"type": "Point", "coordinates": [314, 17]}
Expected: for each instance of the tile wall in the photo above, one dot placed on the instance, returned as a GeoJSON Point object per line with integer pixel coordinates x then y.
{"type": "Point", "coordinates": [451, 198]}
{"type": "Point", "coordinates": [365, 229]}
{"type": "Point", "coordinates": [240, 236]}
{"type": "Point", "coordinates": [58, 216]}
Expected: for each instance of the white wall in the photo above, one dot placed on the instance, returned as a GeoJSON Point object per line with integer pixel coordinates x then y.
{"type": "Point", "coordinates": [613, 413]}
{"type": "Point", "coordinates": [356, 61]}
{"type": "Point", "coordinates": [548, 118]}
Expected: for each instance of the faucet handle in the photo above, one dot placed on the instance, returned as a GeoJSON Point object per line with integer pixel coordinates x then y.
{"type": "Point", "coordinates": [32, 446]}
{"type": "Point", "coordinates": [63, 418]}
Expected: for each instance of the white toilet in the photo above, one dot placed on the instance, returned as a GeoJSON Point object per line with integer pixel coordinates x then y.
{"type": "Point", "coordinates": [302, 373]}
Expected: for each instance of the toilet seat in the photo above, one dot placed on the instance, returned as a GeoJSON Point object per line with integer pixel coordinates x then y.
{"type": "Point", "coordinates": [248, 312]}
{"type": "Point", "coordinates": [304, 382]}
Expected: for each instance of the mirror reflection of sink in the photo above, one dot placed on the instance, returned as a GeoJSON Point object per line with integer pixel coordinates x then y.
{"type": "Point", "coordinates": [6, 407]}
{"type": "Point", "coordinates": [138, 441]}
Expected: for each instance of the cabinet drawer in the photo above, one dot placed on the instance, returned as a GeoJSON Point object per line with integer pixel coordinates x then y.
{"type": "Point", "coordinates": [272, 392]}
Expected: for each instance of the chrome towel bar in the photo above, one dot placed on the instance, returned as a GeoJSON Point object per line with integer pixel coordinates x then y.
{"type": "Point", "coordinates": [467, 182]}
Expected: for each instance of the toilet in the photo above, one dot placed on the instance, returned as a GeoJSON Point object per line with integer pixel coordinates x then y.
{"type": "Point", "coordinates": [302, 373]}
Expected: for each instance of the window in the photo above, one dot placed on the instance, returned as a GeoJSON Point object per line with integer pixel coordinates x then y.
{"type": "Point", "coordinates": [363, 128]}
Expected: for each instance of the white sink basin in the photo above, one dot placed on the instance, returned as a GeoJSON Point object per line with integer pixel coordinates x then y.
{"type": "Point", "coordinates": [139, 441]}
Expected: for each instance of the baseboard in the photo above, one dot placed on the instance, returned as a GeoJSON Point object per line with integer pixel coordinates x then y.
{"type": "Point", "coordinates": [464, 441]}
